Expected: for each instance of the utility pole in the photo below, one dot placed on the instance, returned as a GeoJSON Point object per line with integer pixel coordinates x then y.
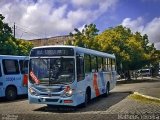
{"type": "Point", "coordinates": [14, 28]}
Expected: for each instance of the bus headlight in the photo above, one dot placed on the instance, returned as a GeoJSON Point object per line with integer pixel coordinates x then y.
{"type": "Point", "coordinates": [68, 92]}
{"type": "Point", "coordinates": [32, 91]}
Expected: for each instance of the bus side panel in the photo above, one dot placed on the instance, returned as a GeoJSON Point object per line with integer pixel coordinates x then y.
{"type": "Point", "coordinates": [102, 82]}
{"type": "Point", "coordinates": [93, 80]}
{"type": "Point", "coordinates": [80, 92]}
{"type": "Point", "coordinates": [82, 86]}
{"type": "Point", "coordinates": [96, 81]}
{"type": "Point", "coordinates": [107, 78]}
{"type": "Point", "coordinates": [111, 77]}
{"type": "Point", "coordinates": [15, 80]}
{"type": "Point", "coordinates": [114, 78]}
{"type": "Point", "coordinates": [99, 83]}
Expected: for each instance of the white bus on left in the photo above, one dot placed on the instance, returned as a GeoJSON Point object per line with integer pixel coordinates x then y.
{"type": "Point", "coordinates": [13, 76]}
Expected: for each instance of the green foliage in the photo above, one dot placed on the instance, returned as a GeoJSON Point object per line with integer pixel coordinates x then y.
{"type": "Point", "coordinates": [24, 47]}
{"type": "Point", "coordinates": [86, 38]}
{"type": "Point", "coordinates": [8, 44]}
{"type": "Point", "coordinates": [131, 49]}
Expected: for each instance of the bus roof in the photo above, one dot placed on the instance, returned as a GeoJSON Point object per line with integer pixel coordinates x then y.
{"type": "Point", "coordinates": [13, 57]}
{"type": "Point", "coordinates": [80, 49]}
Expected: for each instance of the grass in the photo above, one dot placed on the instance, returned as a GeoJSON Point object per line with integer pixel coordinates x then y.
{"type": "Point", "coordinates": [143, 99]}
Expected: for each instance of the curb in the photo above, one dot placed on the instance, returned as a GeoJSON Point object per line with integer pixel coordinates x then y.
{"type": "Point", "coordinates": [146, 96]}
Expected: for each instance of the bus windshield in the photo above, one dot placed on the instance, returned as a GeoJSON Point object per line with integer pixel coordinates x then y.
{"type": "Point", "coordinates": [49, 71]}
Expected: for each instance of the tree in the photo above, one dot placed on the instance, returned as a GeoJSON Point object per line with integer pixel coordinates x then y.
{"type": "Point", "coordinates": [86, 38]}
{"type": "Point", "coordinates": [7, 41]}
{"type": "Point", "coordinates": [23, 47]}
{"type": "Point", "coordinates": [10, 45]}
{"type": "Point", "coordinates": [132, 50]}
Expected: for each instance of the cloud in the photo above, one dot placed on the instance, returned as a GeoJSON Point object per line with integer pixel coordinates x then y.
{"type": "Point", "coordinates": [151, 28]}
{"type": "Point", "coordinates": [84, 2]}
{"type": "Point", "coordinates": [135, 25]}
{"type": "Point", "coordinates": [39, 18]}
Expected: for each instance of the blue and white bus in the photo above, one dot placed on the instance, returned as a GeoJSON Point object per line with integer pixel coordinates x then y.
{"type": "Point", "coordinates": [69, 75]}
{"type": "Point", "coordinates": [13, 76]}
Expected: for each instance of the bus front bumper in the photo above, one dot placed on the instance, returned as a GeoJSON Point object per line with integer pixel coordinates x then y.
{"type": "Point", "coordinates": [67, 101]}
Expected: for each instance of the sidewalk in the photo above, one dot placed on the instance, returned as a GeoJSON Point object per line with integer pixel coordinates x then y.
{"type": "Point", "coordinates": [148, 92]}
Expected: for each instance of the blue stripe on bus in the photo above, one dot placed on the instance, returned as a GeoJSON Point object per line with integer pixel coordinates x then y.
{"type": "Point", "coordinates": [102, 80]}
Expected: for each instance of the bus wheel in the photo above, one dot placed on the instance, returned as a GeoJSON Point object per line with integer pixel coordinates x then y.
{"type": "Point", "coordinates": [107, 90]}
{"type": "Point", "coordinates": [11, 93]}
{"type": "Point", "coordinates": [87, 98]}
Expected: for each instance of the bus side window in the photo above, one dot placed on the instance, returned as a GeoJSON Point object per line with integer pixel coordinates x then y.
{"type": "Point", "coordinates": [23, 66]}
{"type": "Point", "coordinates": [10, 66]}
{"type": "Point", "coordinates": [80, 68]}
{"type": "Point", "coordinates": [100, 64]}
{"type": "Point", "coordinates": [0, 71]}
{"type": "Point", "coordinates": [94, 65]}
{"type": "Point", "coordinates": [113, 65]}
{"type": "Point", "coordinates": [104, 64]}
{"type": "Point", "coordinates": [109, 64]}
{"type": "Point", "coordinates": [87, 62]}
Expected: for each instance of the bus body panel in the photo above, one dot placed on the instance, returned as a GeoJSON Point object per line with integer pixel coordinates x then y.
{"type": "Point", "coordinates": [96, 81]}
{"type": "Point", "coordinates": [79, 94]}
{"type": "Point", "coordinates": [50, 97]}
{"type": "Point", "coordinates": [15, 80]}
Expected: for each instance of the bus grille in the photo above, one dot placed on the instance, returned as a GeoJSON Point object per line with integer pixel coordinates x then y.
{"type": "Point", "coordinates": [50, 89]}
{"type": "Point", "coordinates": [50, 95]}
{"type": "Point", "coordinates": [51, 100]}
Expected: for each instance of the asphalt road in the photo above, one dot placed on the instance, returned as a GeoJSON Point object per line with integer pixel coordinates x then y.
{"type": "Point", "coordinates": [116, 104]}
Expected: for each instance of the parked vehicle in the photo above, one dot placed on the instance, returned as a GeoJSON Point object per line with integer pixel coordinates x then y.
{"type": "Point", "coordinates": [13, 76]}
{"type": "Point", "coordinates": [144, 72]}
{"type": "Point", "coordinates": [52, 82]}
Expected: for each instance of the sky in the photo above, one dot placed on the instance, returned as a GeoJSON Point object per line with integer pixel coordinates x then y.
{"type": "Point", "coordinates": [48, 18]}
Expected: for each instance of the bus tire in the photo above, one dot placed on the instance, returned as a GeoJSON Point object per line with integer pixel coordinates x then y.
{"type": "Point", "coordinates": [107, 90]}
{"type": "Point", "coordinates": [87, 97]}
{"type": "Point", "coordinates": [11, 93]}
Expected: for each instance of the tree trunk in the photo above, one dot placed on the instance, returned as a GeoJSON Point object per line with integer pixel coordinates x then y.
{"type": "Point", "coordinates": [127, 75]}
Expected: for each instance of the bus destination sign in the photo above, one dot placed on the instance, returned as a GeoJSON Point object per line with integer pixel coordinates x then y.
{"type": "Point", "coordinates": [52, 52]}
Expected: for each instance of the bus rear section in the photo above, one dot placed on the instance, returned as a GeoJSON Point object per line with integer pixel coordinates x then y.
{"type": "Point", "coordinates": [58, 75]}
{"type": "Point", "coordinates": [13, 76]}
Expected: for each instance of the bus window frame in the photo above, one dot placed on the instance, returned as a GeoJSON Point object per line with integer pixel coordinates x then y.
{"type": "Point", "coordinates": [87, 55]}
{"type": "Point", "coordinates": [107, 64]}
{"type": "Point", "coordinates": [22, 65]}
{"type": "Point", "coordinates": [82, 75]}
{"type": "Point", "coordinates": [100, 63]}
{"type": "Point", "coordinates": [16, 64]}
{"type": "Point", "coordinates": [95, 68]}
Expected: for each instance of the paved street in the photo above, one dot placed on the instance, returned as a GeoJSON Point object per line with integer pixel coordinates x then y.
{"type": "Point", "coordinates": [116, 106]}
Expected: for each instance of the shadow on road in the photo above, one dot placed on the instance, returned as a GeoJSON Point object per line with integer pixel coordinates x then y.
{"type": "Point", "coordinates": [19, 98]}
{"type": "Point", "coordinates": [98, 104]}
